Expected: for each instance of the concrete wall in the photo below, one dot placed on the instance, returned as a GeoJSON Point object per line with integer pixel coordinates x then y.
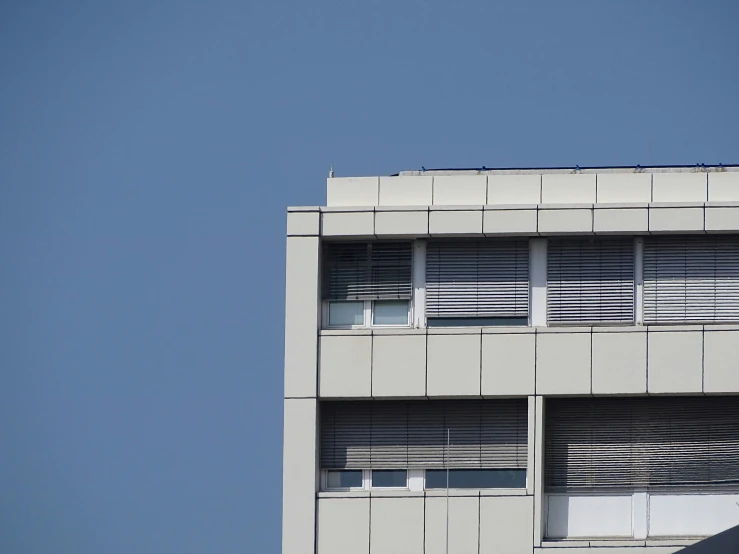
{"type": "Point", "coordinates": [531, 187]}
{"type": "Point", "coordinates": [510, 361]}
{"type": "Point", "coordinates": [526, 220]}
{"type": "Point", "coordinates": [417, 524]}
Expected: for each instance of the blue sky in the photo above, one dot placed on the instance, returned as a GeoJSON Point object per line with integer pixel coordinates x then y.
{"type": "Point", "coordinates": [147, 153]}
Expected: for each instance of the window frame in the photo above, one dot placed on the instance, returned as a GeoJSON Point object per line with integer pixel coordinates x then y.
{"type": "Point", "coordinates": [368, 316]}
{"type": "Point", "coordinates": [410, 476]}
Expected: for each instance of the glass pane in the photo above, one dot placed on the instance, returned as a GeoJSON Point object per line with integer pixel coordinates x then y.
{"type": "Point", "coordinates": [346, 313]}
{"type": "Point", "coordinates": [476, 478]}
{"type": "Point", "coordinates": [344, 479]}
{"type": "Point", "coordinates": [390, 312]}
{"type": "Point", "coordinates": [476, 321]}
{"type": "Point", "coordinates": [389, 478]}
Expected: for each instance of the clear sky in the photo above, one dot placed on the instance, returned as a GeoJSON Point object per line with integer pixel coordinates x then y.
{"type": "Point", "coordinates": [148, 150]}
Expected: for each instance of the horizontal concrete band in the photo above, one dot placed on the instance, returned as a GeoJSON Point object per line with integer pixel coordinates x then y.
{"type": "Point", "coordinates": [418, 525]}
{"type": "Point", "coordinates": [543, 188]}
{"type": "Point", "coordinates": [543, 361]}
{"type": "Point", "coordinates": [520, 220]}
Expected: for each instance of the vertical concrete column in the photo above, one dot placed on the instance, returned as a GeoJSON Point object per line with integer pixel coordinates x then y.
{"type": "Point", "coordinates": [639, 280]}
{"type": "Point", "coordinates": [301, 317]}
{"type": "Point", "coordinates": [538, 282]}
{"type": "Point", "coordinates": [419, 284]}
{"type": "Point", "coordinates": [299, 476]}
{"type": "Point", "coordinates": [539, 496]}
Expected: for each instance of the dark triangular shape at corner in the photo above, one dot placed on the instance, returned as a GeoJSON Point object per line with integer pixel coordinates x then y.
{"type": "Point", "coordinates": [726, 542]}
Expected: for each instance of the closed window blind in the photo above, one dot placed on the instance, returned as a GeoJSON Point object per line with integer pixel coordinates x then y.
{"type": "Point", "coordinates": [600, 444]}
{"type": "Point", "coordinates": [413, 434]}
{"type": "Point", "coordinates": [479, 278]}
{"type": "Point", "coordinates": [590, 281]}
{"type": "Point", "coordinates": [691, 279]}
{"type": "Point", "coordinates": [368, 271]}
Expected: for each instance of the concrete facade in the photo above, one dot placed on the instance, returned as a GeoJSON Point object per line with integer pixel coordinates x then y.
{"type": "Point", "coordinates": [536, 362]}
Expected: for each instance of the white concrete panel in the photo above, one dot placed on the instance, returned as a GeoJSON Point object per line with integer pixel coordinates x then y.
{"type": "Point", "coordinates": [720, 361]}
{"type": "Point", "coordinates": [509, 222]}
{"type": "Point", "coordinates": [299, 476]}
{"type": "Point", "coordinates": [406, 191]}
{"type": "Point", "coordinates": [675, 220]}
{"type": "Point", "coordinates": [343, 526]}
{"type": "Point", "coordinates": [460, 190]}
{"type": "Point", "coordinates": [348, 224]}
{"type": "Point", "coordinates": [506, 525]}
{"type": "Point", "coordinates": [679, 187]}
{"type": "Point", "coordinates": [722, 219]}
{"type": "Point", "coordinates": [453, 367]}
{"type": "Point", "coordinates": [568, 188]}
{"type": "Point", "coordinates": [588, 516]}
{"type": "Point", "coordinates": [618, 188]}
{"type": "Point", "coordinates": [675, 362]}
{"type": "Point", "coordinates": [508, 363]}
{"type": "Point", "coordinates": [464, 515]}
{"type": "Point", "coordinates": [303, 223]}
{"type": "Point", "coordinates": [396, 526]}
{"type": "Point", "coordinates": [399, 365]}
{"type": "Point", "coordinates": [352, 191]}
{"type": "Point", "coordinates": [692, 515]}
{"type": "Point", "coordinates": [301, 316]}
{"type": "Point", "coordinates": [566, 221]}
{"type": "Point", "coordinates": [402, 223]}
{"type": "Point", "coordinates": [345, 368]}
{"type": "Point", "coordinates": [621, 220]}
{"type": "Point", "coordinates": [640, 515]}
{"type": "Point", "coordinates": [563, 363]}
{"type": "Point", "coordinates": [467, 222]}
{"type": "Point", "coordinates": [538, 282]}
{"type": "Point", "coordinates": [514, 189]}
{"type": "Point", "coordinates": [619, 363]}
{"type": "Point", "coordinates": [723, 186]}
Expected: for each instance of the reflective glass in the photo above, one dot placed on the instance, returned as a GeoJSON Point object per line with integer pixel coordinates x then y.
{"type": "Point", "coordinates": [476, 478]}
{"type": "Point", "coordinates": [389, 478]}
{"type": "Point", "coordinates": [346, 313]}
{"type": "Point", "coordinates": [390, 312]}
{"type": "Point", "coordinates": [344, 479]}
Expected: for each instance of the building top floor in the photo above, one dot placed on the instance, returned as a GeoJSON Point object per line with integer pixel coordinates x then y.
{"type": "Point", "coordinates": [543, 186]}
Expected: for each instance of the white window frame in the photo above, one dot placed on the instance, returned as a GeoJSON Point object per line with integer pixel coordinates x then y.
{"type": "Point", "coordinates": [411, 481]}
{"type": "Point", "coordinates": [365, 481]}
{"type": "Point", "coordinates": [368, 316]}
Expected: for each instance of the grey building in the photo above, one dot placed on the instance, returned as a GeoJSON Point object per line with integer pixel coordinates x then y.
{"type": "Point", "coordinates": [513, 361]}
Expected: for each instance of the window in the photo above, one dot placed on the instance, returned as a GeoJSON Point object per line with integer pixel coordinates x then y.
{"type": "Point", "coordinates": [691, 279]}
{"type": "Point", "coordinates": [646, 444]}
{"type": "Point", "coordinates": [393, 438]}
{"type": "Point", "coordinates": [351, 479]}
{"type": "Point", "coordinates": [345, 313]}
{"type": "Point", "coordinates": [476, 478]}
{"type": "Point", "coordinates": [389, 478]}
{"type": "Point", "coordinates": [477, 282]}
{"type": "Point", "coordinates": [367, 284]}
{"type": "Point", "coordinates": [590, 281]}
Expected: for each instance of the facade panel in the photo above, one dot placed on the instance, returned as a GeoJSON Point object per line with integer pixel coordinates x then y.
{"type": "Point", "coordinates": [396, 526]}
{"type": "Point", "coordinates": [343, 526]}
{"type": "Point", "coordinates": [345, 366]}
{"type": "Point", "coordinates": [464, 530]}
{"type": "Point", "coordinates": [399, 365]}
{"type": "Point", "coordinates": [453, 366]}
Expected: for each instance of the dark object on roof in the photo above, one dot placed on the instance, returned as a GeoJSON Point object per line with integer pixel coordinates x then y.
{"type": "Point", "coordinates": [726, 542]}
